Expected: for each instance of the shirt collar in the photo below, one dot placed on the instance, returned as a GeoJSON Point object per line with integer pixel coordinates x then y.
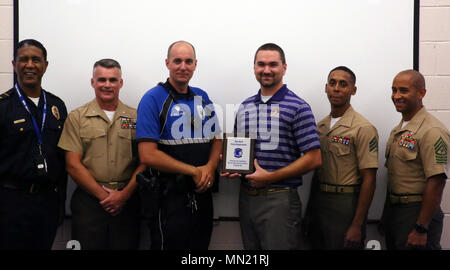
{"type": "Point", "coordinates": [95, 110]}
{"type": "Point", "coordinates": [27, 98]}
{"type": "Point", "coordinates": [278, 96]}
{"type": "Point", "coordinates": [174, 94]}
{"type": "Point", "coordinates": [346, 119]}
{"type": "Point", "coordinates": [415, 122]}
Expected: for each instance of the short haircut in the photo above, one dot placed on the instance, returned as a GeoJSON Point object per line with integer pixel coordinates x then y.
{"type": "Point", "coordinates": [418, 81]}
{"type": "Point", "coordinates": [31, 42]}
{"type": "Point", "coordinates": [180, 41]}
{"type": "Point", "coordinates": [271, 47]}
{"type": "Point", "coordinates": [107, 63]}
{"type": "Point", "coordinates": [346, 69]}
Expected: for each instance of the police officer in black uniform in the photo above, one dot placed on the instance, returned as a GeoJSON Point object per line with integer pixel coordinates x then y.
{"type": "Point", "coordinates": [32, 169]}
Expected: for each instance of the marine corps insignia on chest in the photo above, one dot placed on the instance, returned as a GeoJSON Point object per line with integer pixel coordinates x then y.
{"type": "Point", "coordinates": [341, 140]}
{"type": "Point", "coordinates": [408, 141]}
{"type": "Point", "coordinates": [128, 123]}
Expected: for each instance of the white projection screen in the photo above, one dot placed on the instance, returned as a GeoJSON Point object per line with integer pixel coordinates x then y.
{"type": "Point", "coordinates": [375, 38]}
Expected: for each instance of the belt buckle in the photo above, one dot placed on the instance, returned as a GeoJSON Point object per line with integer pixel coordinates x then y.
{"type": "Point", "coordinates": [394, 199]}
{"type": "Point", "coordinates": [399, 199]}
{"type": "Point", "coordinates": [403, 199]}
{"type": "Point", "coordinates": [114, 185]}
{"type": "Point", "coordinates": [253, 191]}
{"type": "Point", "coordinates": [329, 188]}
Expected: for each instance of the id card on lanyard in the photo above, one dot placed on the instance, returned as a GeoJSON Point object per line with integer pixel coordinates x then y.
{"type": "Point", "coordinates": [40, 162]}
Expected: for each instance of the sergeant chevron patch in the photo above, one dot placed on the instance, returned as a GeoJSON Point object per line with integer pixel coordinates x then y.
{"type": "Point", "coordinates": [373, 145]}
{"type": "Point", "coordinates": [440, 151]}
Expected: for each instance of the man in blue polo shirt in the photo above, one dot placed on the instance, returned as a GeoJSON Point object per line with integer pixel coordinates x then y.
{"type": "Point", "coordinates": [176, 130]}
{"type": "Point", "coordinates": [287, 146]}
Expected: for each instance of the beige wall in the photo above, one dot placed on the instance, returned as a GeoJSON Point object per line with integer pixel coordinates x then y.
{"type": "Point", "coordinates": [434, 64]}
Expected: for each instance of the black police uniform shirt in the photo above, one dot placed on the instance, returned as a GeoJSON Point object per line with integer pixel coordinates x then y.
{"type": "Point", "coordinates": [19, 142]}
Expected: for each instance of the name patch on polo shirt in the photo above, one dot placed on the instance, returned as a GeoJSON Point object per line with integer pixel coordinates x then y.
{"type": "Point", "coordinates": [128, 123]}
{"type": "Point", "coordinates": [408, 141]}
{"type": "Point", "coordinates": [341, 140]}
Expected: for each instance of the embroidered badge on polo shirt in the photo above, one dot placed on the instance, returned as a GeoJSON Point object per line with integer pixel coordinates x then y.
{"type": "Point", "coordinates": [341, 140]}
{"type": "Point", "coordinates": [440, 151]}
{"type": "Point", "coordinates": [128, 123]}
{"type": "Point", "coordinates": [176, 111]}
{"type": "Point", "coordinates": [408, 141]}
{"type": "Point", "coordinates": [275, 112]}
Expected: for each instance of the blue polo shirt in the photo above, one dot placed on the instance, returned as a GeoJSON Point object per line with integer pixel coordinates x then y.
{"type": "Point", "coordinates": [285, 129]}
{"type": "Point", "coordinates": [187, 127]}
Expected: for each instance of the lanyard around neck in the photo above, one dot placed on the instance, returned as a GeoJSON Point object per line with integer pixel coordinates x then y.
{"type": "Point", "coordinates": [44, 113]}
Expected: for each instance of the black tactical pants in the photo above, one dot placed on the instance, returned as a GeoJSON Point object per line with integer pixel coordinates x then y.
{"type": "Point", "coordinates": [28, 221]}
{"type": "Point", "coordinates": [185, 218]}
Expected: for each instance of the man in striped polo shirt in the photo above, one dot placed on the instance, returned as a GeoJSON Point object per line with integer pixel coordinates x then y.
{"type": "Point", "coordinates": [287, 146]}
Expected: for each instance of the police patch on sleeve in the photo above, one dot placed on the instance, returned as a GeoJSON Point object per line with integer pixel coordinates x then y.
{"type": "Point", "coordinates": [373, 145]}
{"type": "Point", "coordinates": [440, 151]}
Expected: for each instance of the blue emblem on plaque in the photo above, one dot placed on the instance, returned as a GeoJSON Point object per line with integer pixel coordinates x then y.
{"type": "Point", "coordinates": [237, 152]}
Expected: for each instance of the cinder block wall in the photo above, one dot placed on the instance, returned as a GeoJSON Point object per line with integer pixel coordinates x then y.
{"type": "Point", "coordinates": [434, 64]}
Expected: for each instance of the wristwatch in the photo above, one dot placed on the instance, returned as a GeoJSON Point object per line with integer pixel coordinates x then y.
{"type": "Point", "coordinates": [420, 228]}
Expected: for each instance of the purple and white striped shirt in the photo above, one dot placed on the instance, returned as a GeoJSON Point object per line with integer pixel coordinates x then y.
{"type": "Point", "coordinates": [285, 129]}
